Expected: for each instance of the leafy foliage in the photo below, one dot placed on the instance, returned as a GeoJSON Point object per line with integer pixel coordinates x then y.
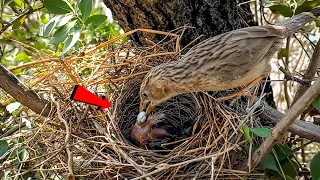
{"type": "Point", "coordinates": [77, 19]}
{"type": "Point", "coordinates": [307, 6]}
{"type": "Point", "coordinates": [283, 151]}
{"type": "Point", "coordinates": [276, 162]}
{"type": "Point", "coordinates": [61, 26]}
{"type": "Point", "coordinates": [85, 7]}
{"type": "Point", "coordinates": [57, 6]}
{"type": "Point", "coordinates": [282, 9]}
{"type": "Point", "coordinates": [32, 30]}
{"type": "Point", "coordinates": [246, 133]}
{"type": "Point", "coordinates": [314, 166]}
{"type": "Point", "coordinates": [261, 132]}
{"type": "Point", "coordinates": [316, 103]}
{"type": "Point", "coordinates": [287, 165]}
{"type": "Point", "coordinates": [290, 8]}
{"type": "Point", "coordinates": [3, 147]}
{"type": "Point", "coordinates": [96, 19]}
{"type": "Point", "coordinates": [269, 162]}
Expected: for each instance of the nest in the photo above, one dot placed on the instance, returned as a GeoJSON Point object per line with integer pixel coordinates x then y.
{"type": "Point", "coordinates": [181, 113]}
{"type": "Point", "coordinates": [78, 140]}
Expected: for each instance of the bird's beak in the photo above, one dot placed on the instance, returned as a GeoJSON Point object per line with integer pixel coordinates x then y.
{"type": "Point", "coordinates": [149, 109]}
{"type": "Point", "coordinates": [143, 107]}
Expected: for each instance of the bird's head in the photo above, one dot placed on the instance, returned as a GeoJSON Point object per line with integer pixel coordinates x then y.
{"type": "Point", "coordinates": [153, 91]}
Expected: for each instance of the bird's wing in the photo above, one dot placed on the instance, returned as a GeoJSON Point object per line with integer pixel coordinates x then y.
{"type": "Point", "coordinates": [235, 52]}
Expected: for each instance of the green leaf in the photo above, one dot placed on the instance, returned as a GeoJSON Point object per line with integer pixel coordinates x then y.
{"type": "Point", "coordinates": [36, 6]}
{"type": "Point", "coordinates": [85, 7]}
{"type": "Point", "coordinates": [8, 16]}
{"type": "Point", "coordinates": [246, 133]}
{"type": "Point", "coordinates": [314, 166]}
{"type": "Point", "coordinates": [282, 151]}
{"type": "Point", "coordinates": [282, 9]}
{"type": "Point", "coordinates": [283, 53]}
{"type": "Point", "coordinates": [23, 155]}
{"type": "Point", "coordinates": [113, 30]}
{"type": "Point", "coordinates": [96, 19]}
{"type": "Point", "coordinates": [269, 162]}
{"type": "Point", "coordinates": [64, 20]}
{"type": "Point", "coordinates": [71, 41]}
{"type": "Point", "coordinates": [19, 4]}
{"type": "Point", "coordinates": [316, 103]}
{"type": "Point", "coordinates": [18, 22]}
{"type": "Point", "coordinates": [7, 2]}
{"type": "Point", "coordinates": [290, 168]}
{"type": "Point", "coordinates": [3, 147]}
{"type": "Point", "coordinates": [43, 19]}
{"type": "Point", "coordinates": [57, 6]}
{"type": "Point", "coordinates": [289, 178]}
{"type": "Point", "coordinates": [62, 33]}
{"type": "Point", "coordinates": [3, 22]}
{"type": "Point", "coordinates": [22, 56]}
{"type": "Point", "coordinates": [4, 41]}
{"type": "Point", "coordinates": [47, 29]}
{"type": "Point", "coordinates": [317, 22]}
{"type": "Point", "coordinates": [261, 132]}
{"type": "Point", "coordinates": [307, 5]}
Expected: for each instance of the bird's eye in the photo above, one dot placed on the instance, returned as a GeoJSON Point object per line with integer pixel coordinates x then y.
{"type": "Point", "coordinates": [145, 95]}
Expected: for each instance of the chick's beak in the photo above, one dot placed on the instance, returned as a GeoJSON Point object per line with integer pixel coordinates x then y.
{"type": "Point", "coordinates": [143, 107]}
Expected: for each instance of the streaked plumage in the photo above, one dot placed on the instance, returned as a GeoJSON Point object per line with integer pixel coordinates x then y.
{"type": "Point", "coordinates": [222, 62]}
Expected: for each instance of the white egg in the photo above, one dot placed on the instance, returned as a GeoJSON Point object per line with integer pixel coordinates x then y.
{"type": "Point", "coordinates": [141, 116]}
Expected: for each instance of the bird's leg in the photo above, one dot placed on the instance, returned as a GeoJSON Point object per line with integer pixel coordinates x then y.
{"type": "Point", "coordinates": [241, 91]}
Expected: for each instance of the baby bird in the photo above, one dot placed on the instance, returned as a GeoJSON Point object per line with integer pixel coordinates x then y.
{"type": "Point", "coordinates": [143, 132]}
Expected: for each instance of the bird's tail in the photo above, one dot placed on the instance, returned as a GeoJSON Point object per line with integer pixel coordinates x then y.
{"type": "Point", "coordinates": [297, 22]}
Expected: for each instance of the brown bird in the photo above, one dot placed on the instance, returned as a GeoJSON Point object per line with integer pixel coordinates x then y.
{"type": "Point", "coordinates": [143, 132]}
{"type": "Point", "coordinates": [233, 59]}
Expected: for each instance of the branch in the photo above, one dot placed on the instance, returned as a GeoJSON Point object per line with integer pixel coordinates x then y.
{"type": "Point", "coordinates": [271, 116]}
{"type": "Point", "coordinates": [311, 71]}
{"type": "Point", "coordinates": [289, 76]}
{"type": "Point", "coordinates": [30, 11]}
{"type": "Point", "coordinates": [284, 124]}
{"type": "Point", "coordinates": [13, 130]}
{"type": "Point", "coordinates": [12, 85]}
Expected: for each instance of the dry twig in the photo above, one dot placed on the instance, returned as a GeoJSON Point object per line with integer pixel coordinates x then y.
{"type": "Point", "coordinates": [281, 128]}
{"type": "Point", "coordinates": [311, 71]}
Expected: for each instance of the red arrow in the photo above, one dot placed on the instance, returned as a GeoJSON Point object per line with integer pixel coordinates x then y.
{"type": "Point", "coordinates": [81, 94]}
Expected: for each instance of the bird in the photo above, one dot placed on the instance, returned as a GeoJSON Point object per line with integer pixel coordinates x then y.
{"type": "Point", "coordinates": [229, 60]}
{"type": "Point", "coordinates": [143, 132]}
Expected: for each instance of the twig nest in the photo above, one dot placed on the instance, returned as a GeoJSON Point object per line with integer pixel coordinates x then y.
{"type": "Point", "coordinates": [180, 115]}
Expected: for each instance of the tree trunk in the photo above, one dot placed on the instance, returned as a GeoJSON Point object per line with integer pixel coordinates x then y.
{"type": "Point", "coordinates": [209, 17]}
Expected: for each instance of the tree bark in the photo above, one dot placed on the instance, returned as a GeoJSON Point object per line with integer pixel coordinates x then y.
{"type": "Point", "coordinates": [208, 17]}
{"type": "Point", "coordinates": [23, 94]}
